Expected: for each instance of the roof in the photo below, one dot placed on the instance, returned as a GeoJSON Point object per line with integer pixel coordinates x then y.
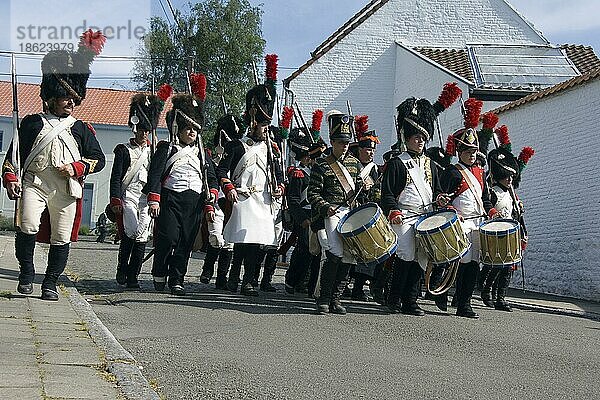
{"type": "Point", "coordinates": [579, 80]}
{"type": "Point", "coordinates": [101, 106]}
{"type": "Point", "coordinates": [338, 35]}
{"type": "Point", "coordinates": [456, 60]}
{"type": "Point", "coordinates": [583, 57]}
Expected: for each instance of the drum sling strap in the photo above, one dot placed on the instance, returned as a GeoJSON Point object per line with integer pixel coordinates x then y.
{"type": "Point", "coordinates": [417, 177]}
{"type": "Point", "coordinates": [343, 176]}
{"type": "Point", "coordinates": [469, 177]}
{"type": "Point", "coordinates": [137, 166]}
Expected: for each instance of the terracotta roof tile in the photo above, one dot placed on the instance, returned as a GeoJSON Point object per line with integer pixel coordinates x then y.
{"type": "Point", "coordinates": [578, 80]}
{"type": "Point", "coordinates": [583, 57]}
{"type": "Point", "coordinates": [338, 35]}
{"type": "Point", "coordinates": [101, 106]}
{"type": "Point", "coordinates": [456, 60]}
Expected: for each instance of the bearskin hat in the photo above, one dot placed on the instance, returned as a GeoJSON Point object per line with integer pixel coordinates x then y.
{"type": "Point", "coordinates": [503, 164]}
{"type": "Point", "coordinates": [65, 73]}
{"type": "Point", "coordinates": [417, 116]}
{"type": "Point", "coordinates": [300, 142]}
{"type": "Point", "coordinates": [340, 125]}
{"type": "Point", "coordinates": [144, 112]}
{"type": "Point", "coordinates": [229, 127]}
{"type": "Point", "coordinates": [188, 105]}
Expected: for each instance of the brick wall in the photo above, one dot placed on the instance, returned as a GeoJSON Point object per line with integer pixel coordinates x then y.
{"type": "Point", "coordinates": [560, 190]}
{"type": "Point", "coordinates": [362, 66]}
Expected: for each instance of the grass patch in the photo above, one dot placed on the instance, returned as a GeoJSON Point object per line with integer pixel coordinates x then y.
{"type": "Point", "coordinates": [5, 294]}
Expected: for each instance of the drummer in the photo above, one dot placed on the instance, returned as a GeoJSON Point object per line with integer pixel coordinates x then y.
{"type": "Point", "coordinates": [333, 183]}
{"type": "Point", "coordinates": [505, 173]}
{"type": "Point", "coordinates": [410, 183]}
{"type": "Point", "coordinates": [470, 197]}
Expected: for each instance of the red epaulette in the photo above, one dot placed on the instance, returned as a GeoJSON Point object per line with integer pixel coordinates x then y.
{"type": "Point", "coordinates": [91, 128]}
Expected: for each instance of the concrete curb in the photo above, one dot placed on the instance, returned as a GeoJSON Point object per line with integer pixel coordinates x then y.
{"type": "Point", "coordinates": [555, 310]}
{"type": "Point", "coordinates": [121, 364]}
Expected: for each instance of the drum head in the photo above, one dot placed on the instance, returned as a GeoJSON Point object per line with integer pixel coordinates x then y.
{"type": "Point", "coordinates": [435, 221]}
{"type": "Point", "coordinates": [358, 219]}
{"type": "Point", "coordinates": [499, 226]}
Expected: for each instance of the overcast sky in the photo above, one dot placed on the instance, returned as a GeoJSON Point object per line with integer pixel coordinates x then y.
{"type": "Point", "coordinates": [292, 28]}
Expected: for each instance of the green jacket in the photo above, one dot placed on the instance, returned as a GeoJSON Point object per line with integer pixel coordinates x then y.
{"type": "Point", "coordinates": [324, 189]}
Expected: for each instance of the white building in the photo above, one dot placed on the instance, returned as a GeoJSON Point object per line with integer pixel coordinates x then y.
{"type": "Point", "coordinates": [394, 49]}
{"type": "Point", "coordinates": [560, 185]}
{"type": "Point", "coordinates": [107, 110]}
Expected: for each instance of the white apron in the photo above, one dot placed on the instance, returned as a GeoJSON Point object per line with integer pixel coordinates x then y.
{"type": "Point", "coordinates": [252, 217]}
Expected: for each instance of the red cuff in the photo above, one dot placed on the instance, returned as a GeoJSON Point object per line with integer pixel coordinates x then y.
{"type": "Point", "coordinates": [449, 207]}
{"type": "Point", "coordinates": [492, 212]}
{"type": "Point", "coordinates": [208, 208]}
{"type": "Point", "coordinates": [9, 177]}
{"type": "Point", "coordinates": [393, 214]}
{"type": "Point", "coordinates": [115, 201]}
{"type": "Point", "coordinates": [79, 168]}
{"type": "Point", "coordinates": [154, 197]}
{"type": "Point", "coordinates": [228, 187]}
{"type": "Point", "coordinates": [215, 192]}
{"type": "Point", "coordinates": [282, 188]}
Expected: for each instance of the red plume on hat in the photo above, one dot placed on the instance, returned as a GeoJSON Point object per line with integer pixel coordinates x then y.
{"type": "Point", "coordinates": [271, 69]}
{"type": "Point", "coordinates": [450, 93]}
{"type": "Point", "coordinates": [524, 157]}
{"type": "Point", "coordinates": [198, 83]}
{"type": "Point", "coordinates": [286, 121]}
{"type": "Point", "coordinates": [361, 125]}
{"type": "Point", "coordinates": [164, 92]}
{"type": "Point", "coordinates": [91, 44]}
{"type": "Point", "coordinates": [472, 112]}
{"type": "Point", "coordinates": [315, 128]}
{"type": "Point", "coordinates": [487, 131]}
{"type": "Point", "coordinates": [503, 137]}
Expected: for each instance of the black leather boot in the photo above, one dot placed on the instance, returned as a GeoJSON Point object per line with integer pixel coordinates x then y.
{"type": "Point", "coordinates": [135, 264]}
{"type": "Point", "coordinates": [223, 268]}
{"type": "Point", "coordinates": [24, 249]}
{"type": "Point", "coordinates": [399, 274]}
{"type": "Point", "coordinates": [208, 268]}
{"type": "Point", "coordinates": [327, 281]}
{"type": "Point", "coordinates": [411, 289]}
{"type": "Point", "coordinates": [457, 285]}
{"type": "Point", "coordinates": [57, 261]}
{"type": "Point", "coordinates": [488, 283]}
{"type": "Point", "coordinates": [358, 292]}
{"type": "Point", "coordinates": [503, 282]}
{"type": "Point", "coordinates": [467, 286]}
{"type": "Point", "coordinates": [239, 251]}
{"type": "Point", "coordinates": [485, 270]}
{"type": "Point", "coordinates": [341, 282]}
{"type": "Point", "coordinates": [125, 249]}
{"type": "Point", "coordinates": [269, 271]}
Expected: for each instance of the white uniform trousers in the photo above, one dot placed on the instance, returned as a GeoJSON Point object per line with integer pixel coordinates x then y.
{"type": "Point", "coordinates": [136, 219]}
{"type": "Point", "coordinates": [47, 188]}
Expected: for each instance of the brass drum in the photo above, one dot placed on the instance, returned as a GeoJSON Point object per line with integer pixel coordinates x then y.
{"type": "Point", "coordinates": [442, 236]}
{"type": "Point", "coordinates": [500, 242]}
{"type": "Point", "coordinates": [368, 234]}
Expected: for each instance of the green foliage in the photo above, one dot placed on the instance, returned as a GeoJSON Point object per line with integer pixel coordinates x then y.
{"type": "Point", "coordinates": [222, 37]}
{"type": "Point", "coordinates": [84, 230]}
{"type": "Point", "coordinates": [6, 224]}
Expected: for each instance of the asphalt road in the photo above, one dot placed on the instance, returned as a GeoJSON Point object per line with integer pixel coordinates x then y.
{"type": "Point", "coordinates": [216, 345]}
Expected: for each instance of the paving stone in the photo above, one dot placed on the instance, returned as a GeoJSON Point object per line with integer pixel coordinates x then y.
{"type": "Point", "coordinates": [19, 376]}
{"type": "Point", "coordinates": [70, 355]}
{"type": "Point", "coordinates": [59, 382]}
{"type": "Point", "coordinates": [29, 393]}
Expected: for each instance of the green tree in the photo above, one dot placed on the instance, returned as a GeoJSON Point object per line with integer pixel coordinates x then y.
{"type": "Point", "coordinates": [222, 37]}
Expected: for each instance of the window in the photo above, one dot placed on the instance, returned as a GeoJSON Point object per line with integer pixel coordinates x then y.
{"type": "Point", "coordinates": [520, 67]}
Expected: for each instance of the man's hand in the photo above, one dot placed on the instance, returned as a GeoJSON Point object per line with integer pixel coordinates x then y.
{"type": "Point", "coordinates": [66, 170]}
{"type": "Point", "coordinates": [331, 211]}
{"type": "Point", "coordinates": [397, 219]}
{"type": "Point", "coordinates": [211, 198]}
{"type": "Point", "coordinates": [442, 200]}
{"type": "Point", "coordinates": [117, 208]}
{"type": "Point", "coordinates": [232, 196]}
{"type": "Point", "coordinates": [278, 192]}
{"type": "Point", "coordinates": [210, 216]}
{"type": "Point", "coordinates": [306, 223]}
{"type": "Point", "coordinates": [13, 189]}
{"type": "Point", "coordinates": [154, 210]}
